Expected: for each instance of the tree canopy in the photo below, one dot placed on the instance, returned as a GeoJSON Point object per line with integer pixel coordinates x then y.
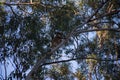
{"type": "Point", "coordinates": [60, 39]}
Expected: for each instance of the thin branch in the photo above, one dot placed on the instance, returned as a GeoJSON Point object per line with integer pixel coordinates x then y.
{"type": "Point", "coordinates": [102, 29]}
{"type": "Point", "coordinates": [97, 10]}
{"type": "Point", "coordinates": [62, 61]}
{"type": "Point", "coordinates": [42, 60]}
{"type": "Point", "coordinates": [101, 22]}
{"type": "Point", "coordinates": [106, 14]}
{"type": "Point", "coordinates": [1, 77]}
{"type": "Point", "coordinates": [33, 3]}
{"type": "Point", "coordinates": [90, 18]}
{"type": "Point", "coordinates": [95, 70]}
{"type": "Point", "coordinates": [12, 10]}
{"type": "Point", "coordinates": [5, 68]}
{"type": "Point", "coordinates": [11, 62]}
{"type": "Point", "coordinates": [24, 10]}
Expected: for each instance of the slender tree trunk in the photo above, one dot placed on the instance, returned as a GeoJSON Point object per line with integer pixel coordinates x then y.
{"type": "Point", "coordinates": [90, 76]}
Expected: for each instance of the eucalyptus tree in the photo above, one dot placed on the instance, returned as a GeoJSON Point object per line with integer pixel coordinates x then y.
{"type": "Point", "coordinates": [86, 33]}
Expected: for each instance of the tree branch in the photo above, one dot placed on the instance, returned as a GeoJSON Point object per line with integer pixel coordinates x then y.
{"type": "Point", "coordinates": [33, 3]}
{"type": "Point", "coordinates": [106, 14]}
{"type": "Point", "coordinates": [12, 10]}
{"type": "Point", "coordinates": [100, 7]}
{"type": "Point", "coordinates": [101, 29]}
{"type": "Point", "coordinates": [56, 62]}
{"type": "Point", "coordinates": [43, 59]}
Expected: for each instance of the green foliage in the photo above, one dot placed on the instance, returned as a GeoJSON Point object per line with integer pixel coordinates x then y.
{"type": "Point", "coordinates": [29, 29]}
{"type": "Point", "coordinates": [79, 75]}
{"type": "Point", "coordinates": [62, 16]}
{"type": "Point", "coordinates": [62, 71]}
{"type": "Point", "coordinates": [91, 62]}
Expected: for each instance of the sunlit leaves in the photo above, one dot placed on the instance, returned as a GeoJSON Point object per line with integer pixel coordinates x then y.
{"type": "Point", "coordinates": [62, 71]}
{"type": "Point", "coordinates": [79, 75]}
{"type": "Point", "coordinates": [91, 61]}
